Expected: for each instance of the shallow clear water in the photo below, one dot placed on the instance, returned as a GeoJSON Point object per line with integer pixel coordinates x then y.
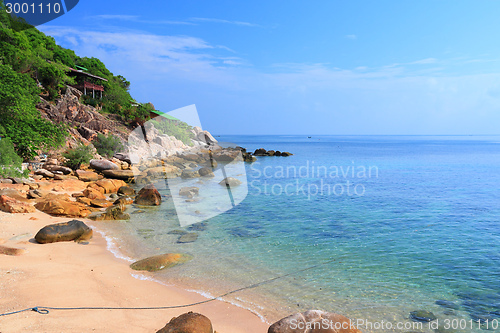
{"type": "Point", "coordinates": [394, 224]}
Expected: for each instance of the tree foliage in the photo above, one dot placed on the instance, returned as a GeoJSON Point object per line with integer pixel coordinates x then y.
{"type": "Point", "coordinates": [10, 162]}
{"type": "Point", "coordinates": [107, 145]}
{"type": "Point", "coordinates": [78, 156]}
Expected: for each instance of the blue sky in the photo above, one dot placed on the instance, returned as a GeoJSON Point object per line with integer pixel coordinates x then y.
{"type": "Point", "coordinates": [302, 67]}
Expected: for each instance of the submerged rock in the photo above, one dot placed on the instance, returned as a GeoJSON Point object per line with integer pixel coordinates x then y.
{"type": "Point", "coordinates": [302, 323]}
{"type": "Point", "coordinates": [159, 262]}
{"type": "Point", "coordinates": [115, 212]}
{"type": "Point", "coordinates": [63, 232]}
{"type": "Point", "coordinates": [448, 304]}
{"type": "Point", "coordinates": [188, 323]}
{"type": "Point", "coordinates": [422, 315]}
{"type": "Point", "coordinates": [206, 172]}
{"type": "Point", "coordinates": [188, 238]}
{"type": "Point", "coordinates": [230, 181]}
{"type": "Point", "coordinates": [189, 191]}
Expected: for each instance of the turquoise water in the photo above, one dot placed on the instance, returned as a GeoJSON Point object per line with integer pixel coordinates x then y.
{"type": "Point", "coordinates": [408, 221]}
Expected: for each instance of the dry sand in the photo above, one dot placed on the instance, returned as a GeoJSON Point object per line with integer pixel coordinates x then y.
{"type": "Point", "coordinates": [69, 274]}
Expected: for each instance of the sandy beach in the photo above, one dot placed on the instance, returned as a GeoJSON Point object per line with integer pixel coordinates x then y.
{"type": "Point", "coordinates": [68, 274]}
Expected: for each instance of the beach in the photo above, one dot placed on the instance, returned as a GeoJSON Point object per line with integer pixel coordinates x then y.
{"type": "Point", "coordinates": [69, 274]}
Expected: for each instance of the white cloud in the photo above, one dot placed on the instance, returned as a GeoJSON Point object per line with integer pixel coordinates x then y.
{"type": "Point", "coordinates": [214, 20]}
{"type": "Point", "coordinates": [351, 36]}
{"type": "Point", "coordinates": [424, 61]}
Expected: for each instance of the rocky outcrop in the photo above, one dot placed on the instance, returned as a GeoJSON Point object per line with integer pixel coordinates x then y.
{"type": "Point", "coordinates": [188, 323]}
{"type": "Point", "coordinates": [148, 196]}
{"type": "Point", "coordinates": [126, 175]}
{"type": "Point", "coordinates": [63, 232]}
{"type": "Point", "coordinates": [11, 205]}
{"type": "Point", "coordinates": [312, 321]}
{"type": "Point", "coordinates": [160, 262]}
{"type": "Point", "coordinates": [87, 176]}
{"type": "Point", "coordinates": [61, 205]}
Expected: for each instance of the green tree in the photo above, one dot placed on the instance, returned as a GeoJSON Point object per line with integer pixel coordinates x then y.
{"type": "Point", "coordinates": [107, 145]}
{"type": "Point", "coordinates": [78, 156]}
{"type": "Point", "coordinates": [22, 122]}
{"type": "Point", "coordinates": [10, 162]}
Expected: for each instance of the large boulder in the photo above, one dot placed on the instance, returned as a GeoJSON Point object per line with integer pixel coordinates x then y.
{"type": "Point", "coordinates": [11, 205]}
{"type": "Point", "coordinates": [63, 232]}
{"type": "Point", "coordinates": [101, 165]}
{"type": "Point", "coordinates": [189, 191]}
{"type": "Point", "coordinates": [206, 172]}
{"type": "Point", "coordinates": [160, 262]}
{"type": "Point", "coordinates": [188, 323]}
{"type": "Point", "coordinates": [109, 185]}
{"type": "Point", "coordinates": [93, 194]}
{"type": "Point", "coordinates": [62, 207]}
{"type": "Point", "coordinates": [119, 174]}
{"type": "Point", "coordinates": [58, 168]}
{"type": "Point", "coordinates": [87, 176]}
{"type": "Point", "coordinates": [314, 321]}
{"type": "Point", "coordinates": [230, 181]}
{"type": "Point", "coordinates": [123, 157]}
{"type": "Point", "coordinates": [260, 152]}
{"type": "Point", "coordinates": [148, 196]}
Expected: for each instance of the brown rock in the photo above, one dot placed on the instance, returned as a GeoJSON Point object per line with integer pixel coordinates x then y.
{"type": "Point", "coordinates": [119, 174]}
{"type": "Point", "coordinates": [44, 173]}
{"type": "Point", "coordinates": [93, 194]}
{"type": "Point", "coordinates": [114, 212]}
{"type": "Point", "coordinates": [84, 200]}
{"type": "Point", "coordinates": [110, 185]}
{"type": "Point", "coordinates": [125, 200]}
{"type": "Point", "coordinates": [11, 205]}
{"type": "Point", "coordinates": [64, 232]}
{"type": "Point", "coordinates": [126, 190]}
{"type": "Point", "coordinates": [311, 322]}
{"type": "Point", "coordinates": [87, 176]}
{"type": "Point", "coordinates": [148, 196]}
{"type": "Point", "coordinates": [61, 207]}
{"type": "Point", "coordinates": [188, 323]}
{"type": "Point", "coordinates": [100, 203]}
{"type": "Point", "coordinates": [160, 262]}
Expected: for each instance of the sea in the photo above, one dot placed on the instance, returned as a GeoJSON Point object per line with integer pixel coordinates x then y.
{"type": "Point", "coordinates": [370, 227]}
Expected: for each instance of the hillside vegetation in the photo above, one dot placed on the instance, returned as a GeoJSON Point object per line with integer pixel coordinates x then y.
{"type": "Point", "coordinates": [32, 65]}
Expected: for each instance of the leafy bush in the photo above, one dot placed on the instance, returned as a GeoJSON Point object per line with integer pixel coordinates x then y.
{"type": "Point", "coordinates": [78, 156]}
{"type": "Point", "coordinates": [10, 162]}
{"type": "Point", "coordinates": [107, 145]}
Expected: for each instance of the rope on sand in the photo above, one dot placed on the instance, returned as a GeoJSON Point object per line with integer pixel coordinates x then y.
{"type": "Point", "coordinates": [45, 309]}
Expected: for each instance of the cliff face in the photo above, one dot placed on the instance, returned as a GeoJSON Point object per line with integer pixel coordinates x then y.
{"type": "Point", "coordinates": [84, 121]}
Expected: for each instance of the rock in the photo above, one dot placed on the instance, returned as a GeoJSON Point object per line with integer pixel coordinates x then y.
{"type": "Point", "coordinates": [63, 232]}
{"type": "Point", "coordinates": [35, 194]}
{"type": "Point", "coordinates": [177, 232]}
{"type": "Point", "coordinates": [448, 304]}
{"type": "Point", "coordinates": [58, 168]}
{"type": "Point", "coordinates": [189, 191]}
{"type": "Point", "coordinates": [277, 153]}
{"type": "Point", "coordinates": [62, 207]}
{"type": "Point", "coordinates": [188, 238]}
{"type": "Point", "coordinates": [87, 176]}
{"type": "Point", "coordinates": [206, 172]}
{"type": "Point", "coordinates": [37, 177]}
{"type": "Point", "coordinates": [422, 315]}
{"type": "Point", "coordinates": [11, 205]}
{"type": "Point", "coordinates": [285, 153]}
{"type": "Point", "coordinates": [160, 262]}
{"type": "Point", "coordinates": [188, 174]}
{"type": "Point", "coordinates": [312, 322]}
{"type": "Point", "coordinates": [230, 181]}
{"type": "Point", "coordinates": [123, 157]}
{"type": "Point", "coordinates": [114, 212]}
{"type": "Point", "coordinates": [113, 196]}
{"type": "Point", "coordinates": [52, 161]}
{"type": "Point", "coordinates": [14, 194]}
{"type": "Point", "coordinates": [7, 181]}
{"type": "Point", "coordinates": [125, 200]}
{"type": "Point", "coordinates": [119, 174]}
{"type": "Point", "coordinates": [100, 203]}
{"type": "Point", "coordinates": [148, 196]}
{"type": "Point", "coordinates": [93, 194]}
{"type": "Point", "coordinates": [188, 323]}
{"type": "Point", "coordinates": [85, 201]}
{"type": "Point", "coordinates": [247, 157]}
{"type": "Point", "coordinates": [270, 153]}
{"type": "Point", "coordinates": [110, 185]}
{"type": "Point", "coordinates": [260, 152]}
{"type": "Point", "coordinates": [101, 165]}
{"type": "Point", "coordinates": [44, 173]}
{"type": "Point", "coordinates": [87, 133]}
{"type": "Point", "coordinates": [126, 190]}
